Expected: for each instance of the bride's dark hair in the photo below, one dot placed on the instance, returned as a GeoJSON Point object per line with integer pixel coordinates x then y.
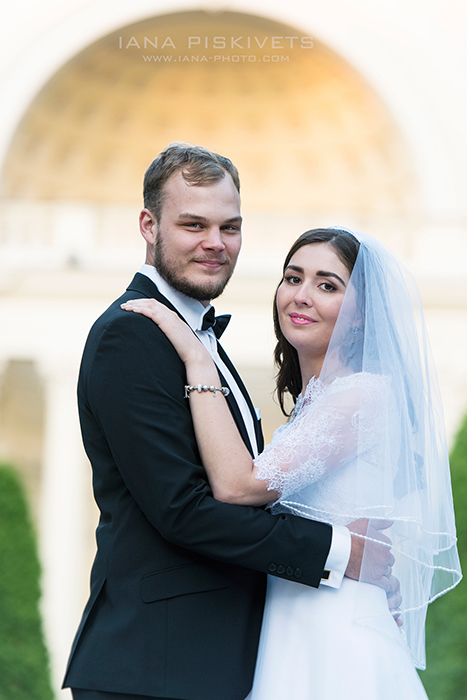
{"type": "Point", "coordinates": [288, 378]}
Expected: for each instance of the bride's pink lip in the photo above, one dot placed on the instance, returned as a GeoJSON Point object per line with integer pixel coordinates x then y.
{"type": "Point", "coordinates": [301, 319]}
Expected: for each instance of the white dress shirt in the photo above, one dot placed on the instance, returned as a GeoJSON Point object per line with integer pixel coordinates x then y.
{"type": "Point", "coordinates": [193, 312]}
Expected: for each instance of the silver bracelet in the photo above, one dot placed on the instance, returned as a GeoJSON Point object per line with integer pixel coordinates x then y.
{"type": "Point", "coordinates": [204, 387]}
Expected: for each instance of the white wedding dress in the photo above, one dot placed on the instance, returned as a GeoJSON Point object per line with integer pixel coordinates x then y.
{"type": "Point", "coordinates": [322, 643]}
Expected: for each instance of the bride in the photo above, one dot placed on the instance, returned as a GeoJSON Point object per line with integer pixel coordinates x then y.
{"type": "Point", "coordinates": [364, 441]}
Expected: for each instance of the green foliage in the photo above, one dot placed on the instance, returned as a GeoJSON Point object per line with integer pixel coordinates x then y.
{"type": "Point", "coordinates": [446, 674]}
{"type": "Point", "coordinates": [24, 668]}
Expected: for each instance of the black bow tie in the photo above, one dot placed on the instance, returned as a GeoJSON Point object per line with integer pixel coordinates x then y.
{"type": "Point", "coordinates": [217, 323]}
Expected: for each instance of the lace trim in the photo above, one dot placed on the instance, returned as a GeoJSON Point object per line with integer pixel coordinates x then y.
{"type": "Point", "coordinates": [322, 434]}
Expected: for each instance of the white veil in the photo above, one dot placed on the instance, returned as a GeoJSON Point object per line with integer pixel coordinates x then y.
{"type": "Point", "coordinates": [403, 475]}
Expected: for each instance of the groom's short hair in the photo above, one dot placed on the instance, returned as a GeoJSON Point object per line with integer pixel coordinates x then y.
{"type": "Point", "coordinates": [198, 165]}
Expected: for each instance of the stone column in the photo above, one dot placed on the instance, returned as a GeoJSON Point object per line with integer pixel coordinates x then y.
{"type": "Point", "coordinates": [63, 516]}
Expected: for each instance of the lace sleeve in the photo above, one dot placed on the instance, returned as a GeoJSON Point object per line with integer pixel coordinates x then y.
{"type": "Point", "coordinates": [329, 426]}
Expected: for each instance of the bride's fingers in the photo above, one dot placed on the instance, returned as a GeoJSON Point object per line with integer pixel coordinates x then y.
{"type": "Point", "coordinates": [142, 304]}
{"type": "Point", "coordinates": [168, 321]}
{"type": "Point", "coordinates": [177, 331]}
{"type": "Point", "coordinates": [150, 308]}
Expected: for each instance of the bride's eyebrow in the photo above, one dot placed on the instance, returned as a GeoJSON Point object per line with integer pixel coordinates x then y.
{"type": "Point", "coordinates": [320, 273]}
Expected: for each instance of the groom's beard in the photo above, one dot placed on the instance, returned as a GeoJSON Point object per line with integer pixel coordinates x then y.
{"type": "Point", "coordinates": [172, 271]}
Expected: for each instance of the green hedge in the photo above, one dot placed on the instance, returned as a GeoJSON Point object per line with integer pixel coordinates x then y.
{"type": "Point", "coordinates": [24, 665]}
{"type": "Point", "coordinates": [446, 675]}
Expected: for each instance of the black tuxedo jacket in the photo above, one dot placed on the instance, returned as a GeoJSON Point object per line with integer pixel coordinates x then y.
{"type": "Point", "coordinates": [178, 582]}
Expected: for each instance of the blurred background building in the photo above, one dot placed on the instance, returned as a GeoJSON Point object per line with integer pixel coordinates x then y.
{"type": "Point", "coordinates": [334, 112]}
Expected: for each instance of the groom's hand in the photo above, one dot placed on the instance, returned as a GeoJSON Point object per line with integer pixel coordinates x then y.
{"type": "Point", "coordinates": [371, 559]}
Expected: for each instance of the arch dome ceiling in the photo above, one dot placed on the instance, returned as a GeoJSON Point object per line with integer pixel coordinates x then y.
{"type": "Point", "coordinates": [301, 125]}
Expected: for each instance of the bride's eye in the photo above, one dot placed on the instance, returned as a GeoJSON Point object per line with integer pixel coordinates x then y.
{"type": "Point", "coordinates": [328, 287]}
{"type": "Point", "coordinates": [292, 279]}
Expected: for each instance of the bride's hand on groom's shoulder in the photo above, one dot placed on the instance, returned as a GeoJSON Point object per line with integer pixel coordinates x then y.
{"type": "Point", "coordinates": [185, 342]}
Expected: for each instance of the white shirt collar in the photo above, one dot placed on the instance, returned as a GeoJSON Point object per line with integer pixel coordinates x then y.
{"type": "Point", "coordinates": [192, 310]}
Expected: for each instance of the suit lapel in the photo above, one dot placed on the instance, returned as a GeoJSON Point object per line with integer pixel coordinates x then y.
{"type": "Point", "coordinates": [142, 285]}
{"type": "Point", "coordinates": [256, 422]}
{"type": "Point", "coordinates": [237, 415]}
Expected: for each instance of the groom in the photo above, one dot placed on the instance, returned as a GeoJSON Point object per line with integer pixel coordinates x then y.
{"type": "Point", "coordinates": [178, 582]}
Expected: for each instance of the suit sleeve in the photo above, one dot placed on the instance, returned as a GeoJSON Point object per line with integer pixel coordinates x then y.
{"type": "Point", "coordinates": [133, 387]}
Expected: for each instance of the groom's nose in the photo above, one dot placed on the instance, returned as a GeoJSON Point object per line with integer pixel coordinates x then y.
{"type": "Point", "coordinates": [213, 239]}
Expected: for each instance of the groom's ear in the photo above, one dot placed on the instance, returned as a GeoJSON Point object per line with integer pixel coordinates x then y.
{"type": "Point", "coordinates": [148, 229]}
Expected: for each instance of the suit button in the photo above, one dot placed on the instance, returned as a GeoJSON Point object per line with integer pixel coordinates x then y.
{"type": "Point", "coordinates": [289, 571]}
{"type": "Point", "coordinates": [272, 567]}
{"type": "Point", "coordinates": [298, 573]}
{"type": "Point", "coordinates": [280, 569]}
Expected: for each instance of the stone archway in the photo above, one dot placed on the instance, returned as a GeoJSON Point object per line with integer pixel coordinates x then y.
{"type": "Point", "coordinates": [306, 132]}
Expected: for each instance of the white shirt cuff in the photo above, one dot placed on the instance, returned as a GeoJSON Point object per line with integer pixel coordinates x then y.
{"type": "Point", "coordinates": [338, 557]}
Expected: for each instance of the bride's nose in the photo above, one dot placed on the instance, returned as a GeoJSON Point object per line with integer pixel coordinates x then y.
{"type": "Point", "coordinates": [303, 296]}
